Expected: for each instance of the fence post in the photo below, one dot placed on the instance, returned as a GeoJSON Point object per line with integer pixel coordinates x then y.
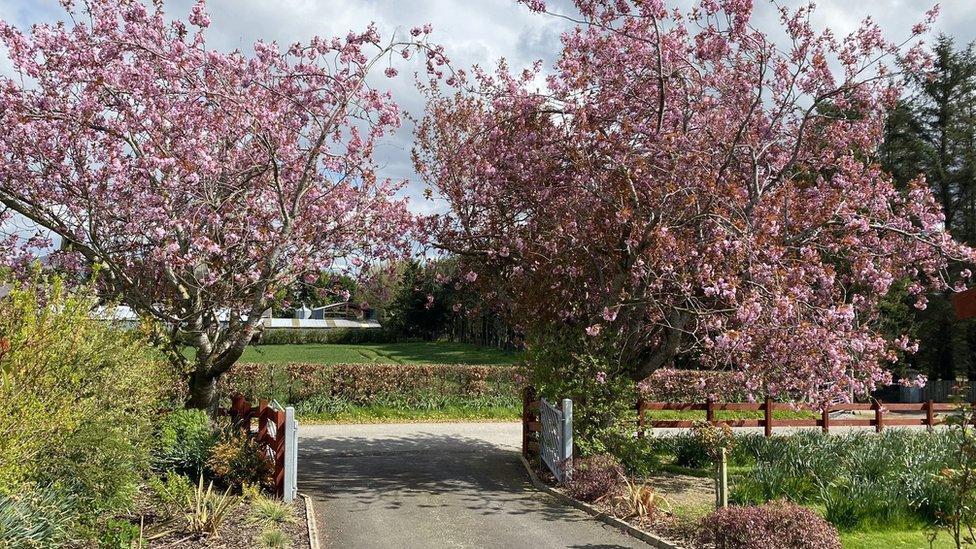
{"type": "Point", "coordinates": [291, 455]}
{"type": "Point", "coordinates": [768, 413]}
{"type": "Point", "coordinates": [721, 480]}
{"type": "Point", "coordinates": [878, 416]}
{"type": "Point", "coordinates": [566, 452]}
{"type": "Point", "coordinates": [929, 415]}
{"type": "Point", "coordinates": [825, 418]}
{"type": "Point", "coordinates": [528, 395]}
{"type": "Point", "coordinates": [709, 411]}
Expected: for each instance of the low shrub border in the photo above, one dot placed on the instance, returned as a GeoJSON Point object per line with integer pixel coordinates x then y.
{"type": "Point", "coordinates": [365, 392]}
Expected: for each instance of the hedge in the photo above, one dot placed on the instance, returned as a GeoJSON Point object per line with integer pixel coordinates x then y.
{"type": "Point", "coordinates": [673, 385]}
{"type": "Point", "coordinates": [361, 384]}
{"type": "Point", "coordinates": [299, 336]}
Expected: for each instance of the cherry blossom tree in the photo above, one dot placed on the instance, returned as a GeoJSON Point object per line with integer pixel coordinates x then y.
{"type": "Point", "coordinates": [686, 184]}
{"type": "Point", "coordinates": [200, 181]}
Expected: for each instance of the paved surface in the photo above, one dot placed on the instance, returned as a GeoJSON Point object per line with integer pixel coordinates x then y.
{"type": "Point", "coordinates": [435, 485]}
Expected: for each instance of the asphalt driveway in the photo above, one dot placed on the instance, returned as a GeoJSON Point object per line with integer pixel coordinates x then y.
{"type": "Point", "coordinates": [435, 485]}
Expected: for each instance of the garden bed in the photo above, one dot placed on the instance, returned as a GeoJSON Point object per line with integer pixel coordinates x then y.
{"type": "Point", "coordinates": [238, 530]}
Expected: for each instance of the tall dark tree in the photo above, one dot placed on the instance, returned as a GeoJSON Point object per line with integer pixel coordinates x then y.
{"type": "Point", "coordinates": [932, 132]}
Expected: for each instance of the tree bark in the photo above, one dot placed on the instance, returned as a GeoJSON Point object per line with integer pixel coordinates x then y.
{"type": "Point", "coordinates": [203, 391]}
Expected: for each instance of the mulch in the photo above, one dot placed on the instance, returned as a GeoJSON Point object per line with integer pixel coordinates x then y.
{"type": "Point", "coordinates": [236, 532]}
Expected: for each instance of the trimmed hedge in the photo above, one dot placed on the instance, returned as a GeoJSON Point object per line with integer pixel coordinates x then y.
{"type": "Point", "coordinates": [362, 384]}
{"type": "Point", "coordinates": [298, 336]}
{"type": "Point", "coordinates": [673, 385]}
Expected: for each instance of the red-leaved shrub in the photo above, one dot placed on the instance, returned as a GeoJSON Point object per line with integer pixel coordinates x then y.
{"type": "Point", "coordinates": [776, 525]}
{"type": "Point", "coordinates": [594, 477]}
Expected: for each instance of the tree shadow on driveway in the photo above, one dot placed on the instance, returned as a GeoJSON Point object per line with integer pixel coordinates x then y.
{"type": "Point", "coordinates": [427, 489]}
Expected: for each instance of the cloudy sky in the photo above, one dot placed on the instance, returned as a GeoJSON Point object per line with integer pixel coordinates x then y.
{"type": "Point", "coordinates": [473, 31]}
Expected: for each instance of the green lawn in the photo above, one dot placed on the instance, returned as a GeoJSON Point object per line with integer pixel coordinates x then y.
{"type": "Point", "coordinates": [439, 352]}
{"type": "Point", "coordinates": [893, 540]}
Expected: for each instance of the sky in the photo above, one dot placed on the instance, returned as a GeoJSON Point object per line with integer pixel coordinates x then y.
{"type": "Point", "coordinates": [472, 32]}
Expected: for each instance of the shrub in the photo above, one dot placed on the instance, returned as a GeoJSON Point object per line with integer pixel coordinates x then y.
{"type": "Point", "coordinates": [337, 336]}
{"type": "Point", "coordinates": [594, 477]}
{"type": "Point", "coordinates": [80, 398]}
{"type": "Point", "coordinates": [172, 493]}
{"type": "Point", "coordinates": [238, 460]}
{"type": "Point", "coordinates": [118, 534]}
{"type": "Point", "coordinates": [567, 365]}
{"type": "Point", "coordinates": [773, 526]}
{"type": "Point", "coordinates": [185, 440]}
{"type": "Point", "coordinates": [673, 385]}
{"type": "Point", "coordinates": [363, 384]}
{"type": "Point", "coordinates": [36, 518]}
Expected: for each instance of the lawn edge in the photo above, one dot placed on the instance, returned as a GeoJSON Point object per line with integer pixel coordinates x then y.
{"type": "Point", "coordinates": [628, 528]}
{"type": "Point", "coordinates": [313, 530]}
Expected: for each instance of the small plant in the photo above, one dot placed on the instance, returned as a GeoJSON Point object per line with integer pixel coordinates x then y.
{"type": "Point", "coordinates": [639, 500]}
{"type": "Point", "coordinates": [273, 539]}
{"type": "Point", "coordinates": [119, 534]}
{"type": "Point", "coordinates": [271, 512]}
{"type": "Point", "coordinates": [172, 492]}
{"type": "Point", "coordinates": [185, 442]}
{"type": "Point", "coordinates": [209, 510]}
{"type": "Point", "coordinates": [36, 518]}
{"type": "Point", "coordinates": [775, 525]}
{"type": "Point", "coordinates": [594, 477]}
{"type": "Point", "coordinates": [251, 492]}
{"type": "Point", "coordinates": [239, 460]}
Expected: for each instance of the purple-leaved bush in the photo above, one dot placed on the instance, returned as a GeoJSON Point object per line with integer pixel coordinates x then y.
{"type": "Point", "coordinates": [776, 525]}
{"type": "Point", "coordinates": [594, 477]}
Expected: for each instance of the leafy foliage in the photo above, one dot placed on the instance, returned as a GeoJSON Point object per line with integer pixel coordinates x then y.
{"type": "Point", "coordinates": [209, 509]}
{"type": "Point", "coordinates": [172, 493]}
{"type": "Point", "coordinates": [772, 526]}
{"type": "Point", "coordinates": [82, 397]}
{"type": "Point", "coordinates": [185, 441]}
{"type": "Point", "coordinates": [237, 460]}
{"type": "Point", "coordinates": [36, 518]}
{"type": "Point", "coordinates": [594, 477]}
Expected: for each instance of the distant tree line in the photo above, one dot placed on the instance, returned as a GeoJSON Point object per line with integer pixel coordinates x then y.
{"type": "Point", "coordinates": [932, 132]}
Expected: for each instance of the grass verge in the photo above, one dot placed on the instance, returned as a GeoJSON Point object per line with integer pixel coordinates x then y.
{"type": "Point", "coordinates": [895, 539]}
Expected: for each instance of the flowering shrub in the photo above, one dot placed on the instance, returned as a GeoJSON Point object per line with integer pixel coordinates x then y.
{"type": "Point", "coordinates": [772, 526]}
{"type": "Point", "coordinates": [594, 477]}
{"type": "Point", "coordinates": [238, 460]}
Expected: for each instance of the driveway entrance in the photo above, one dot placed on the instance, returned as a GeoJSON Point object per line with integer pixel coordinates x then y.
{"type": "Point", "coordinates": [435, 485]}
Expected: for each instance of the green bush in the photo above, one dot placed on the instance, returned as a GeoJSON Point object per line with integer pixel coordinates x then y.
{"type": "Point", "coordinates": [81, 396]}
{"type": "Point", "coordinates": [118, 534]}
{"type": "Point", "coordinates": [237, 460]}
{"type": "Point", "coordinates": [185, 440]}
{"type": "Point", "coordinates": [368, 384]}
{"type": "Point", "coordinates": [567, 366]}
{"type": "Point", "coordinates": [338, 336]}
{"type": "Point", "coordinates": [172, 493]}
{"type": "Point", "coordinates": [36, 518]}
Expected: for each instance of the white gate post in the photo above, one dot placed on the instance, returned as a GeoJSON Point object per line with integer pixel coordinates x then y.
{"type": "Point", "coordinates": [566, 448]}
{"type": "Point", "coordinates": [291, 455]}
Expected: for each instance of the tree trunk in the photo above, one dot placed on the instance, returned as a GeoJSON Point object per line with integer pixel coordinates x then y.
{"type": "Point", "coordinates": [203, 391]}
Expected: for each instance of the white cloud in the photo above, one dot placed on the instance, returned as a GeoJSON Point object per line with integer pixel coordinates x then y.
{"type": "Point", "coordinates": [472, 31]}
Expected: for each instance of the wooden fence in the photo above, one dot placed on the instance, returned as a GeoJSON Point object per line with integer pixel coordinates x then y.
{"type": "Point", "coordinates": [270, 433]}
{"type": "Point", "coordinates": [531, 423]}
{"type": "Point", "coordinates": [879, 421]}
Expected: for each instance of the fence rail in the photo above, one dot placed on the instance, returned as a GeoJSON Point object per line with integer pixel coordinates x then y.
{"type": "Point", "coordinates": [768, 422]}
{"type": "Point", "coordinates": [277, 435]}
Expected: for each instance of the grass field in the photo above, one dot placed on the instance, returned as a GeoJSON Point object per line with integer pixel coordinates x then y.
{"type": "Point", "coordinates": [440, 352]}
